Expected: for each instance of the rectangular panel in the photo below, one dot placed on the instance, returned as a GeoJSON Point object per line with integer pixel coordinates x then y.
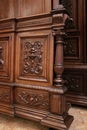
{"type": "Point", "coordinates": [6, 57]}
{"type": "Point", "coordinates": [25, 8]}
{"type": "Point", "coordinates": [31, 98]}
{"type": "Point", "coordinates": [34, 58]}
{"type": "Point", "coordinates": [6, 94]}
{"type": "Point", "coordinates": [75, 29]}
{"type": "Point", "coordinates": [75, 82]}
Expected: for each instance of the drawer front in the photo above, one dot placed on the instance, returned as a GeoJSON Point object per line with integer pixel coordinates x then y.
{"type": "Point", "coordinates": [32, 98]}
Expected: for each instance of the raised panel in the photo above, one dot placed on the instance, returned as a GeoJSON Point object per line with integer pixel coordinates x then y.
{"type": "Point", "coordinates": [31, 98]}
{"type": "Point", "coordinates": [6, 94]}
{"type": "Point", "coordinates": [76, 29]}
{"type": "Point", "coordinates": [6, 57]}
{"type": "Point", "coordinates": [71, 48]}
{"type": "Point", "coordinates": [75, 82]}
{"type": "Point", "coordinates": [34, 58]}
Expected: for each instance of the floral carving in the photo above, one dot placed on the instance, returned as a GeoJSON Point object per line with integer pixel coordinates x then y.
{"type": "Point", "coordinates": [1, 58]}
{"type": "Point", "coordinates": [4, 96]}
{"type": "Point", "coordinates": [33, 99]}
{"type": "Point", "coordinates": [33, 57]}
{"type": "Point", "coordinates": [68, 49]}
{"type": "Point", "coordinates": [73, 82]}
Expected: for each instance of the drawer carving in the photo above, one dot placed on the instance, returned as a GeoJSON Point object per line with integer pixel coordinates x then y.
{"type": "Point", "coordinates": [5, 95]}
{"type": "Point", "coordinates": [32, 99]}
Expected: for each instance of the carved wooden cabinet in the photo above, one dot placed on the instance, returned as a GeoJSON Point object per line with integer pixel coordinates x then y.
{"type": "Point", "coordinates": [32, 41]}
{"type": "Point", "coordinates": [75, 55]}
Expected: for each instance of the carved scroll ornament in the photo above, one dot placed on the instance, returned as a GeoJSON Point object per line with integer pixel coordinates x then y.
{"type": "Point", "coordinates": [33, 99]}
{"type": "Point", "coordinates": [33, 57]}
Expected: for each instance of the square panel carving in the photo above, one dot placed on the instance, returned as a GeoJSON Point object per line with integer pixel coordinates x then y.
{"type": "Point", "coordinates": [34, 58]}
{"type": "Point", "coordinates": [75, 82]}
{"type": "Point", "coordinates": [5, 94]}
{"type": "Point", "coordinates": [6, 57]}
{"type": "Point", "coordinates": [71, 48]}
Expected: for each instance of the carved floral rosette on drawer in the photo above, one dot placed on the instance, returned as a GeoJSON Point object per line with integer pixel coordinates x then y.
{"type": "Point", "coordinates": [30, 98]}
{"type": "Point", "coordinates": [32, 58]}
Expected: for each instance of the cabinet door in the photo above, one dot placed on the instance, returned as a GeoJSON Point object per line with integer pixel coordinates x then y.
{"type": "Point", "coordinates": [6, 57]}
{"type": "Point", "coordinates": [34, 58]}
{"type": "Point", "coordinates": [75, 54]}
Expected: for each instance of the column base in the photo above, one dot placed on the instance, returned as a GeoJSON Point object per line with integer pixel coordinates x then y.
{"type": "Point", "coordinates": [56, 122]}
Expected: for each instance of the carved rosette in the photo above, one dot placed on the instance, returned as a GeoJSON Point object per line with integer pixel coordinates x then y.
{"type": "Point", "coordinates": [33, 57]}
{"type": "Point", "coordinates": [1, 58]}
{"type": "Point", "coordinates": [33, 99]}
{"type": "Point", "coordinates": [68, 48]}
{"type": "Point", "coordinates": [5, 96]}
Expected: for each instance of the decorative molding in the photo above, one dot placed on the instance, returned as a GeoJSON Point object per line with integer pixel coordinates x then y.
{"type": "Point", "coordinates": [34, 22]}
{"type": "Point", "coordinates": [78, 67]}
{"type": "Point", "coordinates": [33, 57]}
{"type": "Point", "coordinates": [33, 99]}
{"type": "Point", "coordinates": [6, 26]}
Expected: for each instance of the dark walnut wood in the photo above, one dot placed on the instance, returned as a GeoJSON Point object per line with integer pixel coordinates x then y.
{"type": "Point", "coordinates": [32, 40]}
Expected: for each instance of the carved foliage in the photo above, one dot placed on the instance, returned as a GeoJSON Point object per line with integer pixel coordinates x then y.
{"type": "Point", "coordinates": [5, 95]}
{"type": "Point", "coordinates": [68, 49]}
{"type": "Point", "coordinates": [33, 99]}
{"type": "Point", "coordinates": [33, 57]}
{"type": "Point", "coordinates": [74, 83]}
{"type": "Point", "coordinates": [71, 47]}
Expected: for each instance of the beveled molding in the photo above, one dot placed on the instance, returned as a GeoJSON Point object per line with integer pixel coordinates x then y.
{"type": "Point", "coordinates": [42, 21]}
{"type": "Point", "coordinates": [7, 25]}
{"type": "Point", "coordinates": [43, 88]}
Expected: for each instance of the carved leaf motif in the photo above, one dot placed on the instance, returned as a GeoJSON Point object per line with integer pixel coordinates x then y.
{"type": "Point", "coordinates": [33, 99]}
{"type": "Point", "coordinates": [33, 57]}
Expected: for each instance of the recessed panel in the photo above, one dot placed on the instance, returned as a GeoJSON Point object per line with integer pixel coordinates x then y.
{"type": "Point", "coordinates": [34, 56]}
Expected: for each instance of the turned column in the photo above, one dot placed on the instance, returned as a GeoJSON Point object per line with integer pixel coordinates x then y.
{"type": "Point", "coordinates": [58, 117]}
{"type": "Point", "coordinates": [58, 100]}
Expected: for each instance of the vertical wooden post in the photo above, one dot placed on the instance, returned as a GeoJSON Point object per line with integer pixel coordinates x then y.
{"type": "Point", "coordinates": [58, 117]}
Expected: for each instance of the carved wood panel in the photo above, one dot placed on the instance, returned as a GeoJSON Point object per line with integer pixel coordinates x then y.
{"type": "Point", "coordinates": [32, 56]}
{"type": "Point", "coordinates": [6, 57]}
{"type": "Point", "coordinates": [30, 98]}
{"type": "Point", "coordinates": [75, 54]}
{"type": "Point", "coordinates": [5, 94]}
{"type": "Point", "coordinates": [75, 30]}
